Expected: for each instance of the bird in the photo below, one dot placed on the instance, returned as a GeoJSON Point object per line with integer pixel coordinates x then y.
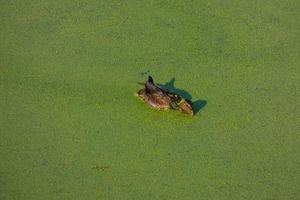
{"type": "Point", "coordinates": [163, 99]}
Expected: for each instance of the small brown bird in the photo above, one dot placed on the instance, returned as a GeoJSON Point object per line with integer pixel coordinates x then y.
{"type": "Point", "coordinates": [159, 98]}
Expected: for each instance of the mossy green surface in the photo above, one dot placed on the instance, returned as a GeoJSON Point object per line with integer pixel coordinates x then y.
{"type": "Point", "coordinates": [71, 128]}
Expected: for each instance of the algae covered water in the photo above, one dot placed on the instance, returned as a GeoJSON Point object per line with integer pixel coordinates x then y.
{"type": "Point", "coordinates": [71, 127]}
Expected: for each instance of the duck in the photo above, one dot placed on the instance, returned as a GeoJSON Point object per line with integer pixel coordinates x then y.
{"type": "Point", "coordinates": [162, 99]}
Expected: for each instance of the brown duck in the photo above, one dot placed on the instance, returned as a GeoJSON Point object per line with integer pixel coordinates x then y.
{"type": "Point", "coordinates": [159, 98]}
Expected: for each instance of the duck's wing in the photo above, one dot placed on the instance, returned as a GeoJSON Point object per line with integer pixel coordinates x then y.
{"type": "Point", "coordinates": [175, 99]}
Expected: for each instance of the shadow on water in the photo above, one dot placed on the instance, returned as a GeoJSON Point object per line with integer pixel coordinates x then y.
{"type": "Point", "coordinates": [197, 105]}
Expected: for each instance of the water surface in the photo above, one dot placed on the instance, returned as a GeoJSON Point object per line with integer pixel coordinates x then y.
{"type": "Point", "coordinates": [71, 128]}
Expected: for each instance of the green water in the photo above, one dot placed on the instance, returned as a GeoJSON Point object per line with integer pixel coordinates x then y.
{"type": "Point", "coordinates": [71, 128]}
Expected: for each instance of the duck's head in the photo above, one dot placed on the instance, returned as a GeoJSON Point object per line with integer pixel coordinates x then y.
{"type": "Point", "coordinates": [185, 106]}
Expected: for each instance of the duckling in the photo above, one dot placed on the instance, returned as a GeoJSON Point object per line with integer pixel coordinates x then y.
{"type": "Point", "coordinates": [162, 99]}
